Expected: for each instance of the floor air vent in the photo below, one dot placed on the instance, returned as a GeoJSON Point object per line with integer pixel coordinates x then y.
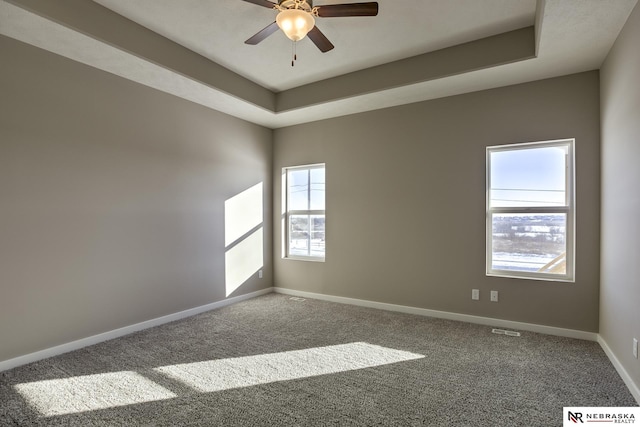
{"type": "Point", "coordinates": [504, 332]}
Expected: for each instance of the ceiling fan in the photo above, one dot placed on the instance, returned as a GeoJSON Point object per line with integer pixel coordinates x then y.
{"type": "Point", "coordinates": [296, 18]}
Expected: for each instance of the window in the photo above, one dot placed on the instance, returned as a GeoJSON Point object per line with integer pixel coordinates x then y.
{"type": "Point", "coordinates": [530, 210]}
{"type": "Point", "coordinates": [304, 212]}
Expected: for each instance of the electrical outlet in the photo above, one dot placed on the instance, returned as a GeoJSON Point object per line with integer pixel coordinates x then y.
{"type": "Point", "coordinates": [475, 294]}
{"type": "Point", "coordinates": [259, 274]}
{"type": "Point", "coordinates": [635, 348]}
{"type": "Point", "coordinates": [494, 296]}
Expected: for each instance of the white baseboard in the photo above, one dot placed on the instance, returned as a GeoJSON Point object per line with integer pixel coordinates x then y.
{"type": "Point", "coordinates": [634, 389]}
{"type": "Point", "coordinates": [549, 330]}
{"type": "Point", "coordinates": [631, 385]}
{"type": "Point", "coordinates": [116, 333]}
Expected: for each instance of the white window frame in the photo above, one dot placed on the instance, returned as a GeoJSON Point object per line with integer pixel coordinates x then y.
{"type": "Point", "coordinates": [568, 209]}
{"type": "Point", "coordinates": [287, 213]}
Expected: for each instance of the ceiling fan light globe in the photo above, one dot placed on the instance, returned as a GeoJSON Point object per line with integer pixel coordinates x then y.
{"type": "Point", "coordinates": [295, 23]}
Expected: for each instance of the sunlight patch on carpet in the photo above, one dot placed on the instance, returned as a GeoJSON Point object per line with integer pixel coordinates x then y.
{"type": "Point", "coordinates": [91, 392]}
{"type": "Point", "coordinates": [224, 374]}
{"type": "Point", "coordinates": [84, 393]}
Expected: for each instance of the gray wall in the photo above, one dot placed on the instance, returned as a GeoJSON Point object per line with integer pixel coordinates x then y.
{"type": "Point", "coordinates": [620, 279]}
{"type": "Point", "coordinates": [406, 201]}
{"type": "Point", "coordinates": [112, 200]}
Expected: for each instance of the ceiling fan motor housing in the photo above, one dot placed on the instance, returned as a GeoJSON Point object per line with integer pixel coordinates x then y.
{"type": "Point", "coordinates": [305, 5]}
{"type": "Point", "coordinates": [296, 18]}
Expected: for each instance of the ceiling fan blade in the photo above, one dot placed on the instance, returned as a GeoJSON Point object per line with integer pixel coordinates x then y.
{"type": "Point", "coordinates": [263, 3]}
{"type": "Point", "coordinates": [320, 40]}
{"type": "Point", "coordinates": [263, 33]}
{"type": "Point", "coordinates": [351, 9]}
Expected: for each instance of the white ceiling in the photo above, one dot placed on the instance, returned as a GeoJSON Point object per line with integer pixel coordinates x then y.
{"type": "Point", "coordinates": [403, 28]}
{"type": "Point", "coordinates": [571, 36]}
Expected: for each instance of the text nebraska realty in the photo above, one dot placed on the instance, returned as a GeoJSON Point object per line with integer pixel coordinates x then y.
{"type": "Point", "coordinates": [600, 417]}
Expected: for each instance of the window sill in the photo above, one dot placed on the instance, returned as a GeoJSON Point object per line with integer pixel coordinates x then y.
{"type": "Point", "coordinates": [536, 277]}
{"type": "Point", "coordinates": [302, 258]}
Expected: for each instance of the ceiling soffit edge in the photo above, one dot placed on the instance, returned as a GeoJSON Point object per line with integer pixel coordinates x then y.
{"type": "Point", "coordinates": [89, 33]}
{"type": "Point", "coordinates": [101, 24]}
{"type": "Point", "coordinates": [93, 20]}
{"type": "Point", "coordinates": [513, 46]}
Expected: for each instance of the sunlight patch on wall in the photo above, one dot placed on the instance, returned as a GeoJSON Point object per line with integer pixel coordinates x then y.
{"type": "Point", "coordinates": [242, 213]}
{"type": "Point", "coordinates": [243, 237]}
{"type": "Point", "coordinates": [91, 392]}
{"type": "Point", "coordinates": [243, 260]}
{"type": "Point", "coordinates": [217, 375]}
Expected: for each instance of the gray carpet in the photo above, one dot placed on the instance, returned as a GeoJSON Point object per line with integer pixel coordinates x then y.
{"type": "Point", "coordinates": [275, 361]}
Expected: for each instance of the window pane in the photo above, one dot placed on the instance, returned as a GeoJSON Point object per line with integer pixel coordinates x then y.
{"type": "Point", "coordinates": [529, 242]}
{"type": "Point", "coordinates": [298, 183]}
{"type": "Point", "coordinates": [304, 216]}
{"type": "Point", "coordinates": [317, 189]}
{"type": "Point", "coordinates": [317, 235]}
{"type": "Point", "coordinates": [299, 235]}
{"type": "Point", "coordinates": [528, 177]}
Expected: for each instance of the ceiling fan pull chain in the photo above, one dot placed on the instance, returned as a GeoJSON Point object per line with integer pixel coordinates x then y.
{"type": "Point", "coordinates": [293, 53]}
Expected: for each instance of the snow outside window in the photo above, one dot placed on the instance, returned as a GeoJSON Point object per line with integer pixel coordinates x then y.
{"type": "Point", "coordinates": [304, 212]}
{"type": "Point", "coordinates": [530, 210]}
